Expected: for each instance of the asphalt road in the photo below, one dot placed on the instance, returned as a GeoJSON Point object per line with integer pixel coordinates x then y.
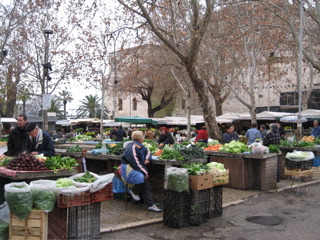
{"type": "Point", "coordinates": [279, 215]}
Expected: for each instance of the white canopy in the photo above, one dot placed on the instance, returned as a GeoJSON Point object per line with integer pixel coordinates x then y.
{"type": "Point", "coordinates": [267, 115]}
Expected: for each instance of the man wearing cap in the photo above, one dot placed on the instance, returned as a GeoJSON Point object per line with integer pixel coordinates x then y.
{"type": "Point", "coordinates": [38, 141]}
{"type": "Point", "coordinates": [17, 137]}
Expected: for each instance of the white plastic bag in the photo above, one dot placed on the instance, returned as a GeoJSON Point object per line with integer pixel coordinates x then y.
{"type": "Point", "coordinates": [101, 182]}
{"type": "Point", "coordinates": [177, 179]}
{"type": "Point", "coordinates": [80, 184]}
{"type": "Point", "coordinates": [298, 156]}
{"type": "Point", "coordinates": [43, 194]}
{"type": "Point", "coordinates": [19, 198]}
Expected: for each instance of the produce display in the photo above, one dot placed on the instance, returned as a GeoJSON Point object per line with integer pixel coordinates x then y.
{"type": "Point", "coordinates": [81, 138]}
{"type": "Point", "coordinates": [294, 143]}
{"type": "Point", "coordinates": [151, 145]}
{"type": "Point", "coordinates": [26, 162]}
{"type": "Point", "coordinates": [43, 194]}
{"type": "Point", "coordinates": [74, 148]}
{"type": "Point", "coordinates": [64, 182]}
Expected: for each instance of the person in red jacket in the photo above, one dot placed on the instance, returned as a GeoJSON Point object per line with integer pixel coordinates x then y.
{"type": "Point", "coordinates": [202, 135]}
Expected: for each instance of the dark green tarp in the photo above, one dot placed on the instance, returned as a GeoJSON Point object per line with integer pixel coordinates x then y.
{"type": "Point", "coordinates": [137, 120]}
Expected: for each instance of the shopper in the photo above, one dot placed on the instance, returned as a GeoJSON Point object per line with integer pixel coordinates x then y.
{"type": "Point", "coordinates": [272, 136]}
{"type": "Point", "coordinates": [253, 134]}
{"type": "Point", "coordinates": [134, 171]}
{"type": "Point", "coordinates": [202, 135]}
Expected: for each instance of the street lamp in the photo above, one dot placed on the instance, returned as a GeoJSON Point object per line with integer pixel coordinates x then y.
{"type": "Point", "coordinates": [46, 77]}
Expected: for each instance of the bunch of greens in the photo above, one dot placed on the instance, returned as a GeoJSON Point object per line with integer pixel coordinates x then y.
{"type": "Point", "coordinates": [196, 168]}
{"type": "Point", "coordinates": [5, 161]}
{"type": "Point", "coordinates": [192, 152]}
{"type": "Point", "coordinates": [74, 148]}
{"type": "Point", "coordinates": [86, 178]}
{"type": "Point", "coordinates": [63, 183]}
{"type": "Point", "coordinates": [43, 199]}
{"type": "Point", "coordinates": [58, 162]}
{"type": "Point", "coordinates": [317, 141]}
{"type": "Point", "coordinates": [201, 144]}
{"type": "Point", "coordinates": [171, 153]}
{"type": "Point", "coordinates": [273, 148]}
{"type": "Point", "coordinates": [234, 147]}
{"type": "Point", "coordinates": [305, 144]}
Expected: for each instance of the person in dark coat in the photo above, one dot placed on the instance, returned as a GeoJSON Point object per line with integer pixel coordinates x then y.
{"type": "Point", "coordinates": [120, 134]}
{"type": "Point", "coordinates": [165, 137]}
{"type": "Point", "coordinates": [38, 141]}
{"type": "Point", "coordinates": [17, 137]}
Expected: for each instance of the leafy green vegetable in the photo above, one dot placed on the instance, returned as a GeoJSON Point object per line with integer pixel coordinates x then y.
{"type": "Point", "coordinates": [63, 183]}
{"type": "Point", "coordinates": [74, 148]}
{"type": "Point", "coordinates": [86, 178]}
{"type": "Point", "coordinates": [118, 149]}
{"type": "Point", "coordinates": [83, 138]}
{"type": "Point", "coordinates": [178, 181]}
{"type": "Point", "coordinates": [4, 231]}
{"type": "Point", "coordinates": [6, 161]}
{"type": "Point", "coordinates": [151, 145]}
{"type": "Point", "coordinates": [234, 147]}
{"type": "Point", "coordinates": [192, 152]}
{"type": "Point", "coordinates": [43, 199]}
{"type": "Point", "coordinates": [170, 153]}
{"type": "Point", "coordinates": [58, 162]}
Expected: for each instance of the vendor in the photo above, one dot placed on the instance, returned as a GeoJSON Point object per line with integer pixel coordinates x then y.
{"type": "Point", "coordinates": [230, 135]}
{"type": "Point", "coordinates": [165, 137]}
{"type": "Point", "coordinates": [315, 132]}
{"type": "Point", "coordinates": [38, 141]}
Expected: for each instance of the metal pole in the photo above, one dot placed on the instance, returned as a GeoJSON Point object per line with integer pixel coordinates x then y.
{"type": "Point", "coordinates": [269, 84]}
{"type": "Point", "coordinates": [299, 124]}
{"type": "Point", "coordinates": [44, 85]}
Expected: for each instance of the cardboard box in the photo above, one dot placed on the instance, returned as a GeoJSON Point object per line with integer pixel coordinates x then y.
{"type": "Point", "coordinates": [34, 227]}
{"type": "Point", "coordinates": [200, 182]}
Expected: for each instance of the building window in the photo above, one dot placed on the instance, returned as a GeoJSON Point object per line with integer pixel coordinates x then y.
{"type": "Point", "coordinates": [120, 104]}
{"type": "Point", "coordinates": [289, 98]}
{"type": "Point", "coordinates": [183, 104]}
{"type": "Point", "coordinates": [134, 104]}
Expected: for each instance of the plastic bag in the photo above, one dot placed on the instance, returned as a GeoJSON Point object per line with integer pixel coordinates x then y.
{"type": "Point", "coordinates": [43, 194]}
{"type": "Point", "coordinates": [82, 184]}
{"type": "Point", "coordinates": [101, 182]}
{"type": "Point", "coordinates": [300, 156]}
{"type": "Point", "coordinates": [177, 179]}
{"type": "Point", "coordinates": [19, 198]}
{"type": "Point", "coordinates": [5, 213]}
{"type": "Point", "coordinates": [260, 149]}
{"type": "Point", "coordinates": [118, 185]}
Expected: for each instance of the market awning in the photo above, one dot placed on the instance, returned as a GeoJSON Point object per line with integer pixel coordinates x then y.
{"type": "Point", "coordinates": [63, 122]}
{"type": "Point", "coordinates": [136, 120]}
{"type": "Point", "coordinates": [9, 120]}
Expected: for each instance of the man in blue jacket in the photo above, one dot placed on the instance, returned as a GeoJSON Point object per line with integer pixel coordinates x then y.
{"type": "Point", "coordinates": [38, 141]}
{"type": "Point", "coordinates": [253, 134]}
{"type": "Point", "coordinates": [134, 171]}
{"type": "Point", "coordinates": [316, 129]}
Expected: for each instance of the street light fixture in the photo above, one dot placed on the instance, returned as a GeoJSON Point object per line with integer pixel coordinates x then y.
{"type": "Point", "coordinates": [46, 67]}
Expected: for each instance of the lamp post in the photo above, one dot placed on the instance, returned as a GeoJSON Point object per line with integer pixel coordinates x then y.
{"type": "Point", "coordinates": [269, 74]}
{"type": "Point", "coordinates": [46, 77]}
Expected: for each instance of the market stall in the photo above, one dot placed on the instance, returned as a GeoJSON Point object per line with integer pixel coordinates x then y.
{"type": "Point", "coordinates": [248, 171]}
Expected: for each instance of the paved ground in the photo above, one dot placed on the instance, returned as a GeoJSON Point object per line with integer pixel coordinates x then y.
{"type": "Point", "coordinates": [293, 216]}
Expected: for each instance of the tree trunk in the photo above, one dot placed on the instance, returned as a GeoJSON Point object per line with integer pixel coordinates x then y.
{"type": "Point", "coordinates": [205, 101]}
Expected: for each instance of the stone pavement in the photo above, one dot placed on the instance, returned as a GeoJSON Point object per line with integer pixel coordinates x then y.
{"type": "Point", "coordinates": [133, 221]}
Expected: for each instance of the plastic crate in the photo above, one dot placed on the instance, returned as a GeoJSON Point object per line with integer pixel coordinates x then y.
{"type": "Point", "coordinates": [35, 226]}
{"type": "Point", "coordinates": [199, 206]}
{"type": "Point", "coordinates": [84, 222]}
{"type": "Point", "coordinates": [104, 194]}
{"type": "Point", "coordinates": [215, 202]}
{"type": "Point", "coordinates": [221, 179]}
{"type": "Point", "coordinates": [57, 224]}
{"type": "Point", "coordinates": [65, 201]}
{"type": "Point", "coordinates": [176, 209]}
{"type": "Point", "coordinates": [299, 164]}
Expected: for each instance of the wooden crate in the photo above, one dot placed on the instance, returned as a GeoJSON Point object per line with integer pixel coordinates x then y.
{"type": "Point", "coordinates": [224, 176]}
{"type": "Point", "coordinates": [298, 172]}
{"type": "Point", "coordinates": [34, 227]}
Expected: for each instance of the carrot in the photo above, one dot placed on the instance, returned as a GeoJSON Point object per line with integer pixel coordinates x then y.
{"type": "Point", "coordinates": [213, 147]}
{"type": "Point", "coordinates": [158, 153]}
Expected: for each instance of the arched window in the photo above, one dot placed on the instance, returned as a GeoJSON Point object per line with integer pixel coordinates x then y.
{"type": "Point", "coordinates": [134, 104]}
{"type": "Point", "coordinates": [120, 104]}
{"type": "Point", "coordinates": [183, 104]}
